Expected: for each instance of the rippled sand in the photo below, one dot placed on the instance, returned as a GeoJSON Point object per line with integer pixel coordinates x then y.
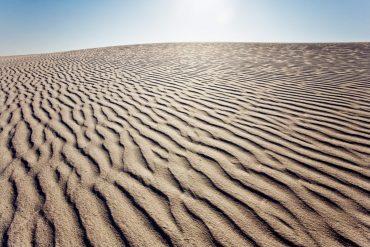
{"type": "Point", "coordinates": [186, 145]}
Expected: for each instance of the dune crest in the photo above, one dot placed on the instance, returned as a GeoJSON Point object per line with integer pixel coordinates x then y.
{"type": "Point", "coordinates": [186, 145]}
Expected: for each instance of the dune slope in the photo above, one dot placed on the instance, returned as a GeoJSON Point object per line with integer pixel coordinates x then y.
{"type": "Point", "coordinates": [186, 145]}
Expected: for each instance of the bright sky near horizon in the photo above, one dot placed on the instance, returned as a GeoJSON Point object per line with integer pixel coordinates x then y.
{"type": "Point", "coordinates": [40, 26]}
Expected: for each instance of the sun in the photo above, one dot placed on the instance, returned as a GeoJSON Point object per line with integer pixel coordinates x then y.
{"type": "Point", "coordinates": [215, 11]}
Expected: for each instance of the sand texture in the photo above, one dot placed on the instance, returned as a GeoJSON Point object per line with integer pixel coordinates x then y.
{"type": "Point", "coordinates": [186, 145]}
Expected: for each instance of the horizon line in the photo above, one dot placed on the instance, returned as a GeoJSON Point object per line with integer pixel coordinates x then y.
{"type": "Point", "coordinates": [188, 42]}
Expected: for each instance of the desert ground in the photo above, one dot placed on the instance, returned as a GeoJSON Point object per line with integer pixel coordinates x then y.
{"type": "Point", "coordinates": [187, 144]}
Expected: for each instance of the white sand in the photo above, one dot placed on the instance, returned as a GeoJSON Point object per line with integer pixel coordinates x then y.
{"type": "Point", "coordinates": [186, 145]}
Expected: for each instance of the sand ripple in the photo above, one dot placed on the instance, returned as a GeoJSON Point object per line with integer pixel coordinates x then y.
{"type": "Point", "coordinates": [186, 145]}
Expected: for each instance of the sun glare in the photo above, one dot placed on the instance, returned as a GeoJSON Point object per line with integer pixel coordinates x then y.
{"type": "Point", "coordinates": [205, 11]}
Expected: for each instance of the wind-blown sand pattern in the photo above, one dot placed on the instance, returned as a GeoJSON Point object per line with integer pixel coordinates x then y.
{"type": "Point", "coordinates": [186, 145]}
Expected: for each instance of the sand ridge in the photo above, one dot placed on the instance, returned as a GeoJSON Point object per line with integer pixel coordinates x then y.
{"type": "Point", "coordinates": [225, 144]}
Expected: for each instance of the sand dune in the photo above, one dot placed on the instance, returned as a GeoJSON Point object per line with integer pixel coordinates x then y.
{"type": "Point", "coordinates": [186, 145]}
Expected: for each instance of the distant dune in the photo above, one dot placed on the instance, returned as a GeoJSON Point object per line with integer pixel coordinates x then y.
{"type": "Point", "coordinates": [214, 144]}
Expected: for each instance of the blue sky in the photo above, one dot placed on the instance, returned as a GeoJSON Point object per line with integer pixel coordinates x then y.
{"type": "Point", "coordinates": [38, 26]}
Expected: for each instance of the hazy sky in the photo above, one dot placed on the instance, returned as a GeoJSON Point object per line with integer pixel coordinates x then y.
{"type": "Point", "coordinates": [36, 26]}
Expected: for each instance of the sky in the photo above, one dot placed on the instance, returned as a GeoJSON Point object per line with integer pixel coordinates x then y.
{"type": "Point", "coordinates": [41, 26]}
